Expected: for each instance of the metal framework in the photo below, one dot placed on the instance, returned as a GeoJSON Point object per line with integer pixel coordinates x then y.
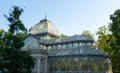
{"type": "Point", "coordinates": [73, 54]}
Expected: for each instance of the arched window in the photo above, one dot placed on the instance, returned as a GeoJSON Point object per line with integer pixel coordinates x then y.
{"type": "Point", "coordinates": [69, 46]}
{"type": "Point", "coordinates": [69, 64]}
{"type": "Point", "coordinates": [91, 64]}
{"type": "Point", "coordinates": [58, 64]}
{"type": "Point", "coordinates": [75, 45]}
{"type": "Point", "coordinates": [89, 44]}
{"type": "Point", "coordinates": [64, 46]}
{"type": "Point", "coordinates": [54, 47]}
{"type": "Point", "coordinates": [99, 65]}
{"type": "Point", "coordinates": [58, 47]}
{"type": "Point", "coordinates": [51, 64]}
{"type": "Point", "coordinates": [75, 64]}
{"type": "Point", "coordinates": [84, 64]}
{"type": "Point", "coordinates": [63, 64]}
{"type": "Point", "coordinates": [49, 48]}
{"type": "Point", "coordinates": [107, 64]}
{"type": "Point", "coordinates": [82, 44]}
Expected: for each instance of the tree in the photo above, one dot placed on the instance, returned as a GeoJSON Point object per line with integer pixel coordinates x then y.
{"type": "Point", "coordinates": [15, 60]}
{"type": "Point", "coordinates": [110, 42]}
{"type": "Point", "coordinates": [2, 43]}
{"type": "Point", "coordinates": [87, 33]}
{"type": "Point", "coordinates": [63, 35]}
{"type": "Point", "coordinates": [16, 24]}
{"type": "Point", "coordinates": [104, 39]}
{"type": "Point", "coordinates": [115, 30]}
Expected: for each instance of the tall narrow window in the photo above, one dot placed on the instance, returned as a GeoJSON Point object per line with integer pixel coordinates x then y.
{"type": "Point", "coordinates": [84, 64]}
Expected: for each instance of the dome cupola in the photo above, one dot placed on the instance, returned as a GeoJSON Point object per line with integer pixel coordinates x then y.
{"type": "Point", "coordinates": [45, 29]}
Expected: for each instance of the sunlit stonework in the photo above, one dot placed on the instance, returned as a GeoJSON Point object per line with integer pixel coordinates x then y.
{"type": "Point", "coordinates": [72, 54]}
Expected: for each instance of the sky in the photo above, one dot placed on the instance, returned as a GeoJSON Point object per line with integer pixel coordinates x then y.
{"type": "Point", "coordinates": [71, 17]}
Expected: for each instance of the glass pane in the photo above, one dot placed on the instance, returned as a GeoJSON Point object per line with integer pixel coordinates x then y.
{"type": "Point", "coordinates": [84, 65]}
{"type": "Point", "coordinates": [69, 46]}
{"type": "Point", "coordinates": [63, 64]}
{"type": "Point", "coordinates": [91, 64]}
{"type": "Point", "coordinates": [49, 48]}
{"type": "Point", "coordinates": [76, 64]}
{"type": "Point", "coordinates": [64, 47]}
{"type": "Point", "coordinates": [58, 47]}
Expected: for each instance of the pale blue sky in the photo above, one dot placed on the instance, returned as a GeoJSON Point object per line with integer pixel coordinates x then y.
{"type": "Point", "coordinates": [70, 16]}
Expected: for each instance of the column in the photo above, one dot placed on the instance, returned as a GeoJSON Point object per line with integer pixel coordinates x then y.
{"type": "Point", "coordinates": [72, 45]}
{"type": "Point", "coordinates": [72, 64]}
{"type": "Point", "coordinates": [80, 64]}
{"type": "Point", "coordinates": [88, 60]}
{"type": "Point", "coordinates": [67, 49]}
{"type": "Point", "coordinates": [61, 46]}
{"type": "Point", "coordinates": [77, 45]}
{"type": "Point", "coordinates": [38, 65]}
{"type": "Point", "coordinates": [45, 62]}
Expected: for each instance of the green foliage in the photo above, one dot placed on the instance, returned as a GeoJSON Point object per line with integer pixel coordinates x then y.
{"type": "Point", "coordinates": [110, 42]}
{"type": "Point", "coordinates": [87, 33]}
{"type": "Point", "coordinates": [16, 61]}
{"type": "Point", "coordinates": [115, 29]}
{"type": "Point", "coordinates": [16, 24]}
{"type": "Point", "coordinates": [104, 40]}
{"type": "Point", "coordinates": [12, 58]}
{"type": "Point", "coordinates": [2, 43]}
{"type": "Point", "coordinates": [63, 35]}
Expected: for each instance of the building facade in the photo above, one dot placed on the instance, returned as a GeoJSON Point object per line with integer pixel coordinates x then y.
{"type": "Point", "coordinates": [72, 54]}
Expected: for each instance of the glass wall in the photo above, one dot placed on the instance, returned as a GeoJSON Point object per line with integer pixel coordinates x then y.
{"type": "Point", "coordinates": [77, 64]}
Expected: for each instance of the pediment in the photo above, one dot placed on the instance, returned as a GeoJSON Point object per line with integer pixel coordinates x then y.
{"type": "Point", "coordinates": [31, 42]}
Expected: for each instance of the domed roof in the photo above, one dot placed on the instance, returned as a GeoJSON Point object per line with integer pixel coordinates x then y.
{"type": "Point", "coordinates": [44, 26]}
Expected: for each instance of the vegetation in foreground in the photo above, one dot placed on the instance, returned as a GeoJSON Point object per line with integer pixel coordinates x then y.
{"type": "Point", "coordinates": [15, 60]}
{"type": "Point", "coordinates": [12, 58]}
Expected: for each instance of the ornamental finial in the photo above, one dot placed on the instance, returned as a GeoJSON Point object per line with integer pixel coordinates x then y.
{"type": "Point", "coordinates": [45, 16]}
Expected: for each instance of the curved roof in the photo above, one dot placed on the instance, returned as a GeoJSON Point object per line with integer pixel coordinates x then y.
{"type": "Point", "coordinates": [83, 51]}
{"type": "Point", "coordinates": [44, 26]}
